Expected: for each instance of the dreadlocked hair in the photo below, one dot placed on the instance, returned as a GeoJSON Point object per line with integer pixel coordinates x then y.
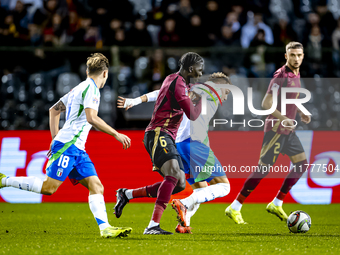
{"type": "Point", "coordinates": [189, 59]}
{"type": "Point", "coordinates": [219, 77]}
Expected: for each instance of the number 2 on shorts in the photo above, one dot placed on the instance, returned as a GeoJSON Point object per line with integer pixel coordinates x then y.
{"type": "Point", "coordinates": [63, 160]}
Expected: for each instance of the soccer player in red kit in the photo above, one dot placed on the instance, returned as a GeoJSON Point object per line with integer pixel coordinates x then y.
{"type": "Point", "coordinates": [277, 138]}
{"type": "Point", "coordinates": [159, 140]}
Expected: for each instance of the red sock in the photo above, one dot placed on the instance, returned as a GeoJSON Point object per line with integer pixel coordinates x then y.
{"type": "Point", "coordinates": [163, 197]}
{"type": "Point", "coordinates": [140, 192]}
{"type": "Point", "coordinates": [294, 175]}
{"type": "Point", "coordinates": [240, 198]}
{"type": "Point", "coordinates": [251, 183]}
{"type": "Point", "coordinates": [281, 195]}
{"type": "Point", "coordinates": [152, 190]}
{"type": "Point", "coordinates": [157, 213]}
{"type": "Point", "coordinates": [147, 191]}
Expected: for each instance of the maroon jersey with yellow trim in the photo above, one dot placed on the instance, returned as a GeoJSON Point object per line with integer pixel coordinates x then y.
{"type": "Point", "coordinates": [283, 77]}
{"type": "Point", "coordinates": [171, 102]}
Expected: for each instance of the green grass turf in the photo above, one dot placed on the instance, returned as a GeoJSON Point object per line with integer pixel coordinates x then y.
{"type": "Point", "coordinates": [63, 228]}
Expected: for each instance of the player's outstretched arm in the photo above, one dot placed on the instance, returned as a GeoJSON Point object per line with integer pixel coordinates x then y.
{"type": "Point", "coordinates": [267, 103]}
{"type": "Point", "coordinates": [93, 118]}
{"type": "Point", "coordinates": [54, 117]}
{"type": "Point", "coordinates": [128, 103]}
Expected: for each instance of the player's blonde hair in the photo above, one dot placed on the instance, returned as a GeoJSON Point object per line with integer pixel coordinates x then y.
{"type": "Point", "coordinates": [219, 77]}
{"type": "Point", "coordinates": [96, 64]}
{"type": "Point", "coordinates": [294, 45]}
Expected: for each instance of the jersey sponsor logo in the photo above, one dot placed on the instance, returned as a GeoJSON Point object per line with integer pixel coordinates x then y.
{"type": "Point", "coordinates": [60, 172]}
{"type": "Point", "coordinates": [95, 100]}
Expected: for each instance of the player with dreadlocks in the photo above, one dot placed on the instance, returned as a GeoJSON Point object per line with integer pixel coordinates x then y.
{"type": "Point", "coordinates": [159, 139]}
{"type": "Point", "coordinates": [192, 143]}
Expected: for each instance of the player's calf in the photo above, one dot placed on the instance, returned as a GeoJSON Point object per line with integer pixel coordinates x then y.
{"type": "Point", "coordinates": [180, 184]}
{"type": "Point", "coordinates": [207, 194]}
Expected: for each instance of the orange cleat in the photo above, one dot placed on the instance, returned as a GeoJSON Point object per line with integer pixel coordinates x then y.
{"type": "Point", "coordinates": [181, 211]}
{"type": "Point", "coordinates": [183, 230]}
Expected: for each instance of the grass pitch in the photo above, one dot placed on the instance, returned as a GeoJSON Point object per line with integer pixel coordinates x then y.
{"type": "Point", "coordinates": [65, 228]}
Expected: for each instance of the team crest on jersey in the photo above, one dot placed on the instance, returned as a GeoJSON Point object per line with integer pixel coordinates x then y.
{"type": "Point", "coordinates": [275, 85]}
{"type": "Point", "coordinates": [60, 172]}
{"type": "Point", "coordinates": [95, 100]}
{"type": "Point", "coordinates": [186, 92]}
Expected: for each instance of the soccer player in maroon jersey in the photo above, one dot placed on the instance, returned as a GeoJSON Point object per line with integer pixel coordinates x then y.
{"type": "Point", "coordinates": [278, 138]}
{"type": "Point", "coordinates": [160, 136]}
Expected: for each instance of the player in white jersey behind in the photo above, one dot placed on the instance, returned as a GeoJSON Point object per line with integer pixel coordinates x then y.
{"type": "Point", "coordinates": [67, 151]}
{"type": "Point", "coordinates": [192, 143]}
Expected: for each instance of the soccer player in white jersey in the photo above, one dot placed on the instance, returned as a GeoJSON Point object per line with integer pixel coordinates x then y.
{"type": "Point", "coordinates": [67, 151]}
{"type": "Point", "coordinates": [192, 143]}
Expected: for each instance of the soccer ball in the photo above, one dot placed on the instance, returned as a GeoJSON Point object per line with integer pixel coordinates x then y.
{"type": "Point", "coordinates": [299, 222]}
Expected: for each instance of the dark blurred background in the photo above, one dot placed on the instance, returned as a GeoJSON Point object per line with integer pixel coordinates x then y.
{"type": "Point", "coordinates": [44, 45]}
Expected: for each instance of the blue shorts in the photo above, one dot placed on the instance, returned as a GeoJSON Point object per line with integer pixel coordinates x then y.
{"type": "Point", "coordinates": [69, 161]}
{"type": "Point", "coordinates": [199, 161]}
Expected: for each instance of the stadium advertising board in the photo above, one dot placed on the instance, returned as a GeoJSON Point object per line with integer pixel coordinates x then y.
{"type": "Point", "coordinates": [23, 153]}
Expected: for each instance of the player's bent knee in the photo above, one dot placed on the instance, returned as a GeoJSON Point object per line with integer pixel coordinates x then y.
{"type": "Point", "coordinates": [48, 190]}
{"type": "Point", "coordinates": [50, 186]}
{"type": "Point", "coordinates": [176, 173]}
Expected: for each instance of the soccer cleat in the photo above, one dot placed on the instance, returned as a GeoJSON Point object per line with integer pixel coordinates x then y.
{"type": "Point", "coordinates": [1, 177]}
{"type": "Point", "coordinates": [156, 230]}
{"type": "Point", "coordinates": [277, 210]}
{"type": "Point", "coordinates": [183, 230]}
{"type": "Point", "coordinates": [111, 232]}
{"type": "Point", "coordinates": [122, 200]}
{"type": "Point", "coordinates": [236, 216]}
{"type": "Point", "coordinates": [181, 211]}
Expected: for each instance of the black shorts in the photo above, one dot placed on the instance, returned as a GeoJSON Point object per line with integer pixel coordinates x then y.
{"type": "Point", "coordinates": [274, 144]}
{"type": "Point", "coordinates": [161, 148]}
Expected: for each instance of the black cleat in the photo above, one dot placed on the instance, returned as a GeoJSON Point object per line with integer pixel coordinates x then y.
{"type": "Point", "coordinates": [122, 200]}
{"type": "Point", "coordinates": [156, 230]}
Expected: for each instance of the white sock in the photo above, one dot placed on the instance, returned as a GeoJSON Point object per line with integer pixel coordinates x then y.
{"type": "Point", "coordinates": [152, 224]}
{"type": "Point", "coordinates": [98, 209]}
{"type": "Point", "coordinates": [277, 202]}
{"type": "Point", "coordinates": [128, 194]}
{"type": "Point", "coordinates": [236, 205]}
{"type": "Point", "coordinates": [31, 183]}
{"type": "Point", "coordinates": [191, 213]}
{"type": "Point", "coordinates": [189, 202]}
{"type": "Point", "coordinates": [209, 193]}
